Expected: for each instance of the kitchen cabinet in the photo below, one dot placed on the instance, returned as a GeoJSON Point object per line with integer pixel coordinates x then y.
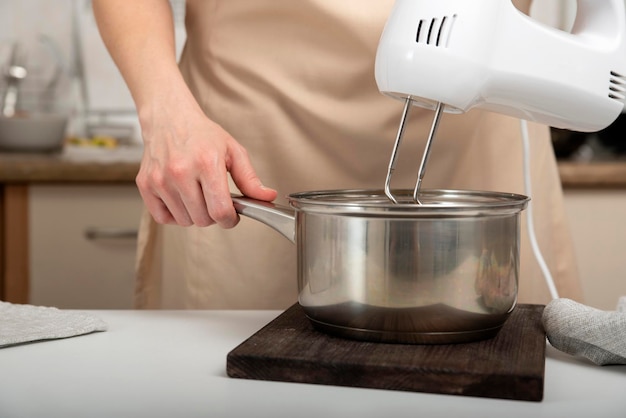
{"type": "Point", "coordinates": [13, 243]}
{"type": "Point", "coordinates": [96, 187]}
{"type": "Point", "coordinates": [82, 244]}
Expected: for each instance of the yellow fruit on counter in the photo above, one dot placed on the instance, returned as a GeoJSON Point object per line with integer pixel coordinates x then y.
{"type": "Point", "coordinates": [104, 141]}
{"type": "Point", "coordinates": [100, 141]}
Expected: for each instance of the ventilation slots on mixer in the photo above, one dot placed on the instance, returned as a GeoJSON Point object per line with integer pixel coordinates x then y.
{"type": "Point", "coordinates": [617, 89]}
{"type": "Point", "coordinates": [435, 31]}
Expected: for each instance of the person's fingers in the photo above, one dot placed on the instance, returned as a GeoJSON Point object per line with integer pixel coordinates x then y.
{"type": "Point", "coordinates": [217, 194]}
{"type": "Point", "coordinates": [158, 210]}
{"type": "Point", "coordinates": [246, 179]}
{"type": "Point", "coordinates": [162, 199]}
{"type": "Point", "coordinates": [177, 208]}
{"type": "Point", "coordinates": [186, 199]}
{"type": "Point", "coordinates": [195, 204]}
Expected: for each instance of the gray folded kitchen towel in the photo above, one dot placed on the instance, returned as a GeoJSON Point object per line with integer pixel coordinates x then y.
{"type": "Point", "coordinates": [583, 331]}
{"type": "Point", "coordinates": [21, 324]}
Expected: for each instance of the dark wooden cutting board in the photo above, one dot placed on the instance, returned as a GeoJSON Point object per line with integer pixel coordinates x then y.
{"type": "Point", "coordinates": [510, 366]}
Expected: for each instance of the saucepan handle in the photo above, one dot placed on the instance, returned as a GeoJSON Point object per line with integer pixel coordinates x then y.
{"type": "Point", "coordinates": [280, 218]}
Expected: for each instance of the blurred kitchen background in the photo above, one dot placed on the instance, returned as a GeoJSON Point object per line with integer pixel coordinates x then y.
{"type": "Point", "coordinates": [69, 214]}
{"type": "Point", "coordinates": [69, 234]}
{"type": "Point", "coordinates": [69, 69]}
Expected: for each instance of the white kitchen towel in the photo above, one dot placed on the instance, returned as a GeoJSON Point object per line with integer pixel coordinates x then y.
{"type": "Point", "coordinates": [21, 324]}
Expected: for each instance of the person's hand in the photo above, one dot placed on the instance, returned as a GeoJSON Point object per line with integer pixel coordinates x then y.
{"type": "Point", "coordinates": [183, 177]}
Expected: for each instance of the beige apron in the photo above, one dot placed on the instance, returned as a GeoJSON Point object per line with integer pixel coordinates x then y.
{"type": "Point", "coordinates": [293, 81]}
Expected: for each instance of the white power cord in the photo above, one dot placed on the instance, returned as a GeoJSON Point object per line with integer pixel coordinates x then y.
{"type": "Point", "coordinates": [529, 213]}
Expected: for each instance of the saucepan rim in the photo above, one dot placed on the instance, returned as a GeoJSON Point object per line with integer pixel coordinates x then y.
{"type": "Point", "coordinates": [438, 202]}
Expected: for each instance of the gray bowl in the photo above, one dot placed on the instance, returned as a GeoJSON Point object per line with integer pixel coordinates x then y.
{"type": "Point", "coordinates": [33, 133]}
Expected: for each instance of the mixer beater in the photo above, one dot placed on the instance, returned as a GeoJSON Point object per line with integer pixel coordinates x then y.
{"type": "Point", "coordinates": [394, 154]}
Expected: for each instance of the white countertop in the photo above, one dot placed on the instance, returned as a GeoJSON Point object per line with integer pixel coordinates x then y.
{"type": "Point", "coordinates": [172, 364]}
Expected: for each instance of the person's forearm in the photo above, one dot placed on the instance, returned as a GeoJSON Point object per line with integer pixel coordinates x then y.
{"type": "Point", "coordinates": [139, 35]}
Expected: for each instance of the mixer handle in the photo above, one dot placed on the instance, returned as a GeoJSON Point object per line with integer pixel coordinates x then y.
{"type": "Point", "coordinates": [600, 18]}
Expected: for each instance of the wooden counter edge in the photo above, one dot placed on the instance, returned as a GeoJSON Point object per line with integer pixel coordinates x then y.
{"type": "Point", "coordinates": [35, 172]}
{"type": "Point", "coordinates": [602, 175]}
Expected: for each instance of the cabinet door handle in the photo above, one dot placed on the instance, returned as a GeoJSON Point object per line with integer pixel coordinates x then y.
{"type": "Point", "coordinates": [96, 233]}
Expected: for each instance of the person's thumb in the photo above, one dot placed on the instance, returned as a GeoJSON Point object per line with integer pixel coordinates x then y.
{"type": "Point", "coordinates": [249, 184]}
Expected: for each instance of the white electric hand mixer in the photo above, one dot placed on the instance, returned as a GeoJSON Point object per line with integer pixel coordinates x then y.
{"type": "Point", "coordinates": [457, 55]}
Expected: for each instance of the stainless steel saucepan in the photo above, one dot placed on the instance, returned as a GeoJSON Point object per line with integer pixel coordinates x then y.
{"type": "Point", "coordinates": [441, 271]}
